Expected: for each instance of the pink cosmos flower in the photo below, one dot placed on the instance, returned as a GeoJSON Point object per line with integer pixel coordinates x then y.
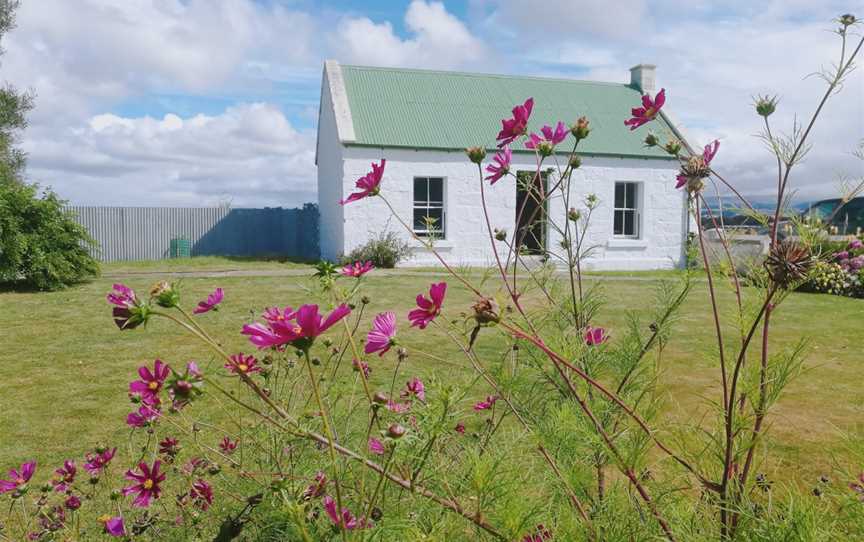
{"type": "Point", "coordinates": [18, 478]}
{"type": "Point", "coordinates": [169, 446]}
{"type": "Point", "coordinates": [151, 382]}
{"type": "Point", "coordinates": [114, 527]}
{"type": "Point", "coordinates": [414, 388]}
{"type": "Point", "coordinates": [362, 366]}
{"type": "Point", "coordinates": [202, 494]}
{"type": "Point", "coordinates": [72, 502]}
{"type": "Point", "coordinates": [369, 185]}
{"type": "Point", "coordinates": [398, 408]}
{"type": "Point", "coordinates": [486, 404]}
{"type": "Point", "coordinates": [316, 489]}
{"type": "Point", "coordinates": [858, 486]}
{"type": "Point", "coordinates": [501, 167]}
{"type": "Point", "coordinates": [347, 520]}
{"type": "Point", "coordinates": [595, 336]}
{"type": "Point", "coordinates": [64, 476]}
{"type": "Point", "coordinates": [122, 296]}
{"type": "Point", "coordinates": [708, 154]}
{"type": "Point", "coordinates": [460, 428]}
{"type": "Point", "coordinates": [97, 462]}
{"type": "Point", "coordinates": [540, 534]}
{"type": "Point", "coordinates": [145, 416]}
{"type": "Point", "coordinates": [549, 136]}
{"type": "Point", "coordinates": [227, 445]}
{"type": "Point", "coordinates": [376, 447]}
{"type": "Point", "coordinates": [146, 484]}
{"type": "Point", "coordinates": [298, 329]}
{"type": "Point", "coordinates": [211, 302]}
{"type": "Point", "coordinates": [243, 364]}
{"type": "Point", "coordinates": [428, 308]}
{"type": "Point", "coordinates": [515, 127]}
{"type": "Point", "coordinates": [128, 313]}
{"type": "Point", "coordinates": [648, 112]}
{"type": "Point", "coordinates": [855, 244]}
{"type": "Point", "coordinates": [383, 334]}
{"type": "Point", "coordinates": [183, 388]}
{"type": "Point", "coordinates": [357, 269]}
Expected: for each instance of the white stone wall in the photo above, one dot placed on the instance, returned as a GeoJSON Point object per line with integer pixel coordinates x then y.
{"type": "Point", "coordinates": [467, 243]}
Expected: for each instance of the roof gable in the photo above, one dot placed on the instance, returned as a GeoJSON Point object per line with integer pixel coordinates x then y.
{"type": "Point", "coordinates": [451, 110]}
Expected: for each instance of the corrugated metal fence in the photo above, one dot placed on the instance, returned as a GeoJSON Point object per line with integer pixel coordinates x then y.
{"type": "Point", "coordinates": [145, 233]}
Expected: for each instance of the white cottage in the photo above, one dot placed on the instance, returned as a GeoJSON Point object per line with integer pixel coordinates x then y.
{"type": "Point", "coordinates": [422, 121]}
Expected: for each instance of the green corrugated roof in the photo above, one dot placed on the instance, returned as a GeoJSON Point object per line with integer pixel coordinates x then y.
{"type": "Point", "coordinates": [451, 110]}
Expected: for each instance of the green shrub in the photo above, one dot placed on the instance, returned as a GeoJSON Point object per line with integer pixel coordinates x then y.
{"type": "Point", "coordinates": [41, 245]}
{"type": "Point", "coordinates": [386, 250]}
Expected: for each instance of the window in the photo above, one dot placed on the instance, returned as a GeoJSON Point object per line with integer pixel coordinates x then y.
{"type": "Point", "coordinates": [626, 219]}
{"type": "Point", "coordinates": [429, 207]}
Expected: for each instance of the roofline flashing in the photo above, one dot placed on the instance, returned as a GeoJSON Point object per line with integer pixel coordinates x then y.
{"type": "Point", "coordinates": [339, 99]}
{"type": "Point", "coordinates": [519, 151]}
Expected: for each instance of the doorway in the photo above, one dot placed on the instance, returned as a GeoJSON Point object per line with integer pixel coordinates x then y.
{"type": "Point", "coordinates": [531, 208]}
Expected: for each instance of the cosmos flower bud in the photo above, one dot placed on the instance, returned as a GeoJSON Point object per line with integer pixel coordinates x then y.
{"type": "Point", "coordinates": [476, 154]}
{"type": "Point", "coordinates": [847, 19]}
{"type": "Point", "coordinates": [365, 300]}
{"type": "Point", "coordinates": [766, 105]}
{"type": "Point", "coordinates": [673, 147]}
{"type": "Point", "coordinates": [545, 148]}
{"type": "Point", "coordinates": [500, 235]}
{"type": "Point", "coordinates": [581, 129]}
{"type": "Point", "coordinates": [591, 200]}
{"type": "Point", "coordinates": [651, 140]}
{"type": "Point", "coordinates": [380, 398]}
{"type": "Point", "coordinates": [573, 214]}
{"type": "Point", "coordinates": [575, 161]}
{"type": "Point", "coordinates": [395, 431]}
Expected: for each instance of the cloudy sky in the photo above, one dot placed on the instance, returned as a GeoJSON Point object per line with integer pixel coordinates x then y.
{"type": "Point", "coordinates": [203, 102]}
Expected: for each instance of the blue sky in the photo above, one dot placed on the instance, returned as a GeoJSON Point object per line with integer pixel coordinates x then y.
{"type": "Point", "coordinates": [203, 102]}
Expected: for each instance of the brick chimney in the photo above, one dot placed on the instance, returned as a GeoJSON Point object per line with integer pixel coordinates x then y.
{"type": "Point", "coordinates": [642, 77]}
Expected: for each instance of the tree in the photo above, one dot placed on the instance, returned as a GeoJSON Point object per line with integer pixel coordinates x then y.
{"type": "Point", "coordinates": [41, 245]}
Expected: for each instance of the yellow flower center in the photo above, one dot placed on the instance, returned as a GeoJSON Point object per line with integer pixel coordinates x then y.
{"type": "Point", "coordinates": [243, 367]}
{"type": "Point", "coordinates": [104, 518]}
{"type": "Point", "coordinates": [153, 385]}
{"type": "Point", "coordinates": [148, 484]}
{"type": "Point", "coordinates": [650, 112]}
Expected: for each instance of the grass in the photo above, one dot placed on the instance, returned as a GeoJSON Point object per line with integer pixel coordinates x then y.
{"type": "Point", "coordinates": [202, 264]}
{"type": "Point", "coordinates": [65, 367]}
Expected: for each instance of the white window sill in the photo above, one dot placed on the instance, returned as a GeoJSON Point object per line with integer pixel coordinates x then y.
{"type": "Point", "coordinates": [413, 244]}
{"type": "Point", "coordinates": [623, 242]}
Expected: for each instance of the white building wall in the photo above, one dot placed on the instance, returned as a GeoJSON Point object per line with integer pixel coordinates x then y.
{"type": "Point", "coordinates": [663, 224]}
{"type": "Point", "coordinates": [330, 177]}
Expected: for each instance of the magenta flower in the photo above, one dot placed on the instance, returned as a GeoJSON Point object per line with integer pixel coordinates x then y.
{"type": "Point", "coordinates": [97, 462]}
{"type": "Point", "coordinates": [298, 329]}
{"type": "Point", "coordinates": [398, 408]}
{"type": "Point", "coordinates": [146, 484]}
{"type": "Point", "coordinates": [122, 296]}
{"type": "Point", "coordinates": [72, 502]}
{"type": "Point", "coordinates": [518, 125]}
{"type": "Point", "coordinates": [357, 269]}
{"type": "Point", "coordinates": [151, 382]}
{"type": "Point", "coordinates": [64, 476]}
{"type": "Point", "coordinates": [347, 520]}
{"type": "Point", "coordinates": [243, 364]}
{"type": "Point", "coordinates": [460, 428]}
{"type": "Point", "coordinates": [708, 154]}
{"type": "Point", "coordinates": [114, 526]}
{"type": "Point", "coordinates": [855, 244]}
{"type": "Point", "coordinates": [227, 445]}
{"type": "Point", "coordinates": [550, 137]}
{"type": "Point", "coordinates": [648, 112]}
{"type": "Point", "coordinates": [383, 334]}
{"type": "Point", "coordinates": [211, 302]}
{"type": "Point", "coordinates": [128, 311]}
{"type": "Point", "coordinates": [169, 446]}
{"type": "Point", "coordinates": [144, 417]}
{"type": "Point", "coordinates": [369, 185]}
{"type": "Point", "coordinates": [539, 534]}
{"type": "Point", "coordinates": [183, 388]}
{"type": "Point", "coordinates": [501, 167]}
{"type": "Point", "coordinates": [375, 446]}
{"type": "Point", "coordinates": [362, 366]}
{"type": "Point", "coordinates": [414, 388]}
{"type": "Point", "coordinates": [595, 336]}
{"type": "Point", "coordinates": [858, 486]}
{"type": "Point", "coordinates": [18, 478]}
{"type": "Point", "coordinates": [202, 494]}
{"type": "Point", "coordinates": [486, 404]}
{"type": "Point", "coordinates": [428, 308]}
{"type": "Point", "coordinates": [316, 488]}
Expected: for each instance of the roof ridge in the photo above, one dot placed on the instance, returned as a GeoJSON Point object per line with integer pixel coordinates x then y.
{"type": "Point", "coordinates": [482, 74]}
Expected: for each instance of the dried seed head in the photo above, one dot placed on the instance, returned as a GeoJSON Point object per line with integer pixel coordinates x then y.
{"type": "Point", "coordinates": [395, 431]}
{"type": "Point", "coordinates": [500, 235]}
{"type": "Point", "coordinates": [766, 105]}
{"type": "Point", "coordinates": [673, 147]}
{"type": "Point", "coordinates": [486, 311]}
{"type": "Point", "coordinates": [476, 154]}
{"type": "Point", "coordinates": [788, 262]}
{"type": "Point", "coordinates": [651, 140]}
{"type": "Point", "coordinates": [575, 161]}
{"type": "Point", "coordinates": [581, 129]}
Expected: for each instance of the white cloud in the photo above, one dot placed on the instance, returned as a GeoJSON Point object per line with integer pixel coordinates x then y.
{"type": "Point", "coordinates": [250, 155]}
{"type": "Point", "coordinates": [440, 40]}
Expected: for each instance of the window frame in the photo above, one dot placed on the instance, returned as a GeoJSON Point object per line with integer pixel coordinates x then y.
{"type": "Point", "coordinates": [635, 208]}
{"type": "Point", "coordinates": [428, 204]}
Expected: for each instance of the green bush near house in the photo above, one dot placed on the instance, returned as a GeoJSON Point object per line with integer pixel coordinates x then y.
{"type": "Point", "coordinates": [386, 250]}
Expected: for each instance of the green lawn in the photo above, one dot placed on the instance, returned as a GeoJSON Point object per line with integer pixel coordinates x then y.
{"type": "Point", "coordinates": [64, 366]}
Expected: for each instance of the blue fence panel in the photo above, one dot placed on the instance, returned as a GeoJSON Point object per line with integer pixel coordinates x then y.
{"type": "Point", "coordinates": [145, 233]}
